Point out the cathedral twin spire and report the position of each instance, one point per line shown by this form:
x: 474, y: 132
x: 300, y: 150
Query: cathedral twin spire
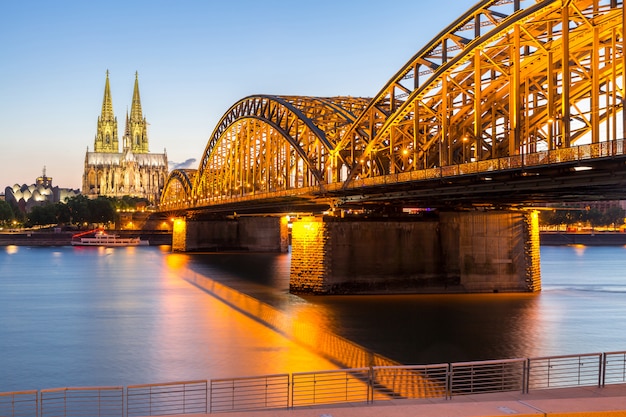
x: 135, y: 137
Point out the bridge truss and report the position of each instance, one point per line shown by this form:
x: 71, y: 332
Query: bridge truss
x: 507, y: 78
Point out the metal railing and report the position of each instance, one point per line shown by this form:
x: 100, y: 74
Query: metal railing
x: 565, y: 371
x: 580, y: 153
x: 400, y: 382
x: 247, y: 394
x: 487, y: 376
x: 170, y: 398
x: 328, y: 387
x: 614, y: 368
x: 19, y: 403
x: 360, y: 385
x: 86, y: 401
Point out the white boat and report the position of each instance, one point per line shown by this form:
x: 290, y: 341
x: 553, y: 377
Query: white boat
x: 102, y: 239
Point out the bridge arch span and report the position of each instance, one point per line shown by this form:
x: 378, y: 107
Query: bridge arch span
x: 177, y: 192
x: 507, y: 78
x: 271, y: 144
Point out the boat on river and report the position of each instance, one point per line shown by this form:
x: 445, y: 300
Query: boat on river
x: 100, y: 238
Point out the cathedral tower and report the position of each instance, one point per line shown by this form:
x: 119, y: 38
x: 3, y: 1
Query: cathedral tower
x: 136, y: 131
x: 106, y: 135
x: 134, y: 171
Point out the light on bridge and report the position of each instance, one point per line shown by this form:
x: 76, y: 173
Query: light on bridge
x: 179, y: 226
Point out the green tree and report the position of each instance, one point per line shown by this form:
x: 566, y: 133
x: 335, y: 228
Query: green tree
x: 79, y: 209
x: 594, y: 217
x: 101, y: 210
x: 129, y: 203
x: 42, y: 215
x: 614, y: 217
x: 63, y: 213
x: 6, y: 213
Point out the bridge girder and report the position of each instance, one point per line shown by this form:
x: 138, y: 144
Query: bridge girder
x: 272, y: 144
x: 527, y: 79
x: 177, y: 191
x: 509, y: 78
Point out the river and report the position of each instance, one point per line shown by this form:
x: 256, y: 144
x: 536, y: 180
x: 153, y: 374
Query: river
x: 119, y: 316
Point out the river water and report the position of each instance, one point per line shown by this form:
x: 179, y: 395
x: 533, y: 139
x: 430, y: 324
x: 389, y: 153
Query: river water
x: 74, y: 316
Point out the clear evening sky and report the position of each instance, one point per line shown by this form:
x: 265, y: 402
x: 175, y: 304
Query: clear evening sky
x: 195, y: 59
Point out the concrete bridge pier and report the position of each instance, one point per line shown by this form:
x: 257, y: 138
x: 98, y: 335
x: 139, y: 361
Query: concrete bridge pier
x: 465, y: 251
x: 241, y: 233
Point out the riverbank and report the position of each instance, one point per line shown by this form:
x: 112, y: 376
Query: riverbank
x: 587, y: 238
x: 156, y: 238
x: 60, y: 238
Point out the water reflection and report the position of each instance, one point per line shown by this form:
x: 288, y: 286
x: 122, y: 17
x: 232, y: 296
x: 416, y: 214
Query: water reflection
x: 422, y: 329
x: 409, y: 329
x: 579, y: 250
x: 89, y: 316
x: 122, y: 317
x: 294, y: 324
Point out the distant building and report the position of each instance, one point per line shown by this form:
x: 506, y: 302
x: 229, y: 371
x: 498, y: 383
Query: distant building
x: 133, y: 172
x: 25, y: 197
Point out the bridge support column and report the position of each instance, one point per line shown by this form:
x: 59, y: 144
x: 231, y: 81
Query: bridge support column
x: 475, y: 251
x: 254, y: 233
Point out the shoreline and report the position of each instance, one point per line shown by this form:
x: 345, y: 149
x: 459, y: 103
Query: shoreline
x: 156, y: 238
x: 584, y: 238
x: 35, y: 238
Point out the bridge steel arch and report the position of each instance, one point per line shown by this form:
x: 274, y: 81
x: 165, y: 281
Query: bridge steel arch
x: 178, y: 189
x: 506, y: 78
x: 271, y: 144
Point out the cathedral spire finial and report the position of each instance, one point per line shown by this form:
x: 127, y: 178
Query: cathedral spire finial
x: 107, y: 102
x: 106, y: 135
x: 136, y: 135
x: 135, y: 108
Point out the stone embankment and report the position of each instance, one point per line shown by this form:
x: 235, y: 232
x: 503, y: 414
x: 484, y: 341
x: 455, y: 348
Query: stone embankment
x: 64, y: 238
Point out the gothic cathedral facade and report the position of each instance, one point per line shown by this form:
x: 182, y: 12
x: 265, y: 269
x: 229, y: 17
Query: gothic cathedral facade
x: 133, y: 172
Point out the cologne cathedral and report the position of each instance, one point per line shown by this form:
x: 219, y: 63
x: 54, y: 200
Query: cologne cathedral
x: 133, y: 172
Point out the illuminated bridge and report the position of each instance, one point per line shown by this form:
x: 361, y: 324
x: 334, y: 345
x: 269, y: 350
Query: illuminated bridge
x: 513, y: 104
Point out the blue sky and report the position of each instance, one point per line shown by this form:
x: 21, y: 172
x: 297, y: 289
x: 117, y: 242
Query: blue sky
x: 195, y: 59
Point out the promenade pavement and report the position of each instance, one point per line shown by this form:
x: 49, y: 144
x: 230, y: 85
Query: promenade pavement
x: 609, y: 401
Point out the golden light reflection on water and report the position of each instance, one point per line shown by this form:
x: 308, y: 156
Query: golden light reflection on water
x: 237, y: 339
x: 176, y: 261
x: 253, y: 337
x: 579, y: 249
x: 246, y: 337
x: 12, y: 249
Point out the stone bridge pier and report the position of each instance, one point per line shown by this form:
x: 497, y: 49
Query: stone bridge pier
x: 464, y: 251
x: 244, y: 233
x: 468, y: 251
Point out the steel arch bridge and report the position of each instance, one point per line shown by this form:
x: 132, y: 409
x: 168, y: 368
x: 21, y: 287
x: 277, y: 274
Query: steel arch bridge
x: 509, y: 84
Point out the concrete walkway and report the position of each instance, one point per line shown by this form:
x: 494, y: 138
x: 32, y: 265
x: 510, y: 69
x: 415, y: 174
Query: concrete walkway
x: 579, y: 402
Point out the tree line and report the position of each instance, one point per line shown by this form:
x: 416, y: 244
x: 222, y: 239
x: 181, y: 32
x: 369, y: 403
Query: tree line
x: 102, y: 210
x: 562, y: 215
x: 74, y: 211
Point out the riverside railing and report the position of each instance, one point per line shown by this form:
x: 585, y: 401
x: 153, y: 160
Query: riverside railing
x: 360, y: 385
x: 580, y: 154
